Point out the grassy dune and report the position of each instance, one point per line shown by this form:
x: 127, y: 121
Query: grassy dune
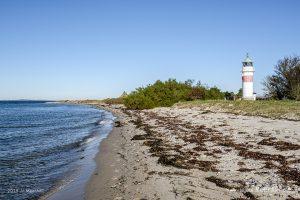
x: 272, y: 109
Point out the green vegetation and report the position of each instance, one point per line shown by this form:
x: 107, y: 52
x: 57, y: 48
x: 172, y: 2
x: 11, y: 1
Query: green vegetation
x: 285, y: 83
x: 118, y: 100
x: 164, y: 94
x: 268, y: 108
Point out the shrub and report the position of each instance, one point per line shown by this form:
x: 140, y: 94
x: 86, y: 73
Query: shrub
x: 229, y: 95
x: 239, y: 94
x: 214, y: 93
x: 118, y: 100
x: 159, y: 94
x: 197, y: 93
x: 164, y: 94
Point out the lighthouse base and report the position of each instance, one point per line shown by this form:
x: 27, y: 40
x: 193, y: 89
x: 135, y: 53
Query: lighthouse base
x: 252, y: 98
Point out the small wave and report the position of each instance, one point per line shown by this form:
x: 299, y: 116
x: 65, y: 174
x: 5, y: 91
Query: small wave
x: 47, y: 152
x: 22, y: 126
x: 105, y: 122
x: 52, y: 102
x: 54, y: 130
x: 88, y: 140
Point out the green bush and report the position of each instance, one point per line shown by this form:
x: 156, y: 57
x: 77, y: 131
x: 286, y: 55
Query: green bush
x: 197, y: 93
x: 165, y: 94
x: 214, y: 93
x: 118, y: 100
x: 159, y: 94
x: 229, y: 95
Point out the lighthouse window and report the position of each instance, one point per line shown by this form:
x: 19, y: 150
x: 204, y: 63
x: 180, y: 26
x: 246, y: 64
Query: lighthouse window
x: 245, y: 64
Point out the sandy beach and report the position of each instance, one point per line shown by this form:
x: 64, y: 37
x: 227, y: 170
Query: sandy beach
x: 188, y: 153
x: 149, y: 100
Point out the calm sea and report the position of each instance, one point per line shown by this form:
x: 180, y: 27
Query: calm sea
x: 46, y: 145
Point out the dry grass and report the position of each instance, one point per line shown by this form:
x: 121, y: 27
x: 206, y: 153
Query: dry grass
x: 272, y: 109
x: 109, y: 101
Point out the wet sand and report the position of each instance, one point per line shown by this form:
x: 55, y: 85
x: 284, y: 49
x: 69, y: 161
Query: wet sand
x: 109, y: 168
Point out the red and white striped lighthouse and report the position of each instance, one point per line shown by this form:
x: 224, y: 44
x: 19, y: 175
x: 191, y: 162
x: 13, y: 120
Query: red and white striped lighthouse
x: 247, y: 78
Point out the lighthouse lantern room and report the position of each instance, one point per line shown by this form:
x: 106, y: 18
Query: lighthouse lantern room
x: 247, y: 78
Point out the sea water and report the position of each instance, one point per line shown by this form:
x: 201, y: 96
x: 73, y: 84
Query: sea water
x: 45, y: 146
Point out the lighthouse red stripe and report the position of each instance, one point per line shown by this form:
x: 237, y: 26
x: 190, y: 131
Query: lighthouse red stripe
x: 247, y: 78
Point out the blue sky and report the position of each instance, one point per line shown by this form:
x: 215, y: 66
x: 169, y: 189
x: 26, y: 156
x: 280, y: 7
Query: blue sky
x: 55, y: 49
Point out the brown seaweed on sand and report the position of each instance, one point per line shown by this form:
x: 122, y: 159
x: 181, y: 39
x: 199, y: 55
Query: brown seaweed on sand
x: 203, y: 165
x: 290, y: 174
x: 156, y: 146
x: 245, y: 169
x: 262, y: 156
x: 118, y: 124
x: 286, y: 172
x: 140, y: 137
x: 225, y: 184
x: 249, y: 195
x: 173, y: 160
x: 279, y: 145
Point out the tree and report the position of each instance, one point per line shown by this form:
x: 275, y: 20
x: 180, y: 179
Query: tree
x: 124, y: 94
x: 239, y: 94
x: 199, y: 84
x: 189, y: 82
x: 229, y: 95
x: 285, y: 82
x: 197, y: 93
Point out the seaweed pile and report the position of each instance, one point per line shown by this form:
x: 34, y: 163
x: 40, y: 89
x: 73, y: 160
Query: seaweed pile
x: 185, y: 145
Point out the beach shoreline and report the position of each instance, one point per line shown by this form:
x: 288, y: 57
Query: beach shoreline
x: 105, y: 162
x: 72, y: 186
x: 121, y: 164
x: 155, y: 154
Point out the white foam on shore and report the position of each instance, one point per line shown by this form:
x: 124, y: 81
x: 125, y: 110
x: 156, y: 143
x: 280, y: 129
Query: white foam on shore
x: 105, y: 122
x: 89, y: 140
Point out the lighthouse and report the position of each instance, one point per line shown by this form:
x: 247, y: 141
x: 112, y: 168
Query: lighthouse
x: 247, y: 78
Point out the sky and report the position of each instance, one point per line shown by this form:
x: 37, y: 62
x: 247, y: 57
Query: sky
x: 71, y: 49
